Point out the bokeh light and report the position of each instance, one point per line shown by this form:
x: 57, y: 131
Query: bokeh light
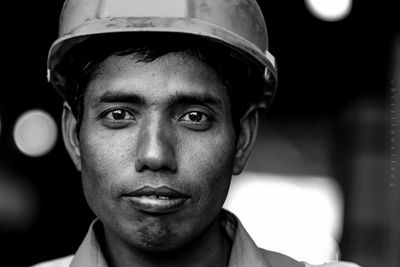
x: 330, y: 10
x: 35, y: 133
x: 298, y: 216
x: 18, y: 202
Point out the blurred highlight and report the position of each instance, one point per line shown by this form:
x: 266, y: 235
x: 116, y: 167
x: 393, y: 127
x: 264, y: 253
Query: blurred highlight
x: 35, y: 133
x: 301, y: 218
x: 18, y: 202
x: 330, y: 10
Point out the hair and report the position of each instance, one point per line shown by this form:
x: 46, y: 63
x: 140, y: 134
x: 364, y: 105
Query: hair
x: 244, y: 83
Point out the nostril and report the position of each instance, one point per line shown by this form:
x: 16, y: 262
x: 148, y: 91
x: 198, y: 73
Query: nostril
x: 155, y: 164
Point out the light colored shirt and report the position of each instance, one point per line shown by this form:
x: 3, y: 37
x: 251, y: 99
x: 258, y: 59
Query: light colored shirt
x: 244, y: 251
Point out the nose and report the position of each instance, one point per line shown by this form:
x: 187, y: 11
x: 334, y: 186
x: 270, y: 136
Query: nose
x: 155, y: 147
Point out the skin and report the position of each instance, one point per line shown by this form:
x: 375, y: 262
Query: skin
x: 162, y: 123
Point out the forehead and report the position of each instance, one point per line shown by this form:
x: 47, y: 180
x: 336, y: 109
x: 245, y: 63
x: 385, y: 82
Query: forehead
x: 170, y: 74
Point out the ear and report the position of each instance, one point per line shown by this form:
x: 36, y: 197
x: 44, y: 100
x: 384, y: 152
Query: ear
x: 247, y: 136
x: 69, y: 131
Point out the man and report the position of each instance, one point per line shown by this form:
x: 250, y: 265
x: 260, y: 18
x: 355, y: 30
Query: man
x: 163, y: 100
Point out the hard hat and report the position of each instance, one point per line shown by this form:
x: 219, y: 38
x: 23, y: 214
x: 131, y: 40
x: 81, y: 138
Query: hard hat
x: 237, y: 24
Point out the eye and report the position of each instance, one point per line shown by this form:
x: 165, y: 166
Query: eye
x: 195, y: 116
x: 119, y: 115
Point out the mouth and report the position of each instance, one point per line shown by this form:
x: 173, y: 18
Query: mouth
x: 158, y: 200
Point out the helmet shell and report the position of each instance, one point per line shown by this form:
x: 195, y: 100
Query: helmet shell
x: 237, y: 24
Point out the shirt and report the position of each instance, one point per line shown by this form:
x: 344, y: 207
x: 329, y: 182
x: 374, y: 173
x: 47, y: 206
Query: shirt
x: 244, y: 251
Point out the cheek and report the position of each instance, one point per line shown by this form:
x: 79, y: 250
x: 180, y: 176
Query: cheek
x: 209, y: 162
x: 104, y: 158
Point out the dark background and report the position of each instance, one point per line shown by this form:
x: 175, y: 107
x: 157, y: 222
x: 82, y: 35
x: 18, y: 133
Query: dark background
x: 334, y: 81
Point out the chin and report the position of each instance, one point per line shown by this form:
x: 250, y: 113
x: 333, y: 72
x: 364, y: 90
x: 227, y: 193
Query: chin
x: 159, y: 238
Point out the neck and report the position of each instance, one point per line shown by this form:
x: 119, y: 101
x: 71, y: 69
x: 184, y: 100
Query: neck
x: 211, y: 248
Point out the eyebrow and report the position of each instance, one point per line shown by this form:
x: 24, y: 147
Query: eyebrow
x: 194, y: 99
x: 119, y: 97
x: 177, y: 99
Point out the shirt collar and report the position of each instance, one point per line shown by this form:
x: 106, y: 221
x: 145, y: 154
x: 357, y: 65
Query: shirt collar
x: 89, y: 253
x: 244, y: 251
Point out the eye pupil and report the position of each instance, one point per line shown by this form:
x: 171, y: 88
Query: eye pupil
x: 195, y: 116
x: 118, y: 114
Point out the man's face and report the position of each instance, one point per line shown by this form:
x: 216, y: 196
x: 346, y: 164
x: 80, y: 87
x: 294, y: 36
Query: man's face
x: 157, y: 149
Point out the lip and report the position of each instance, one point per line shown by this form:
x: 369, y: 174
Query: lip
x: 157, y: 200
